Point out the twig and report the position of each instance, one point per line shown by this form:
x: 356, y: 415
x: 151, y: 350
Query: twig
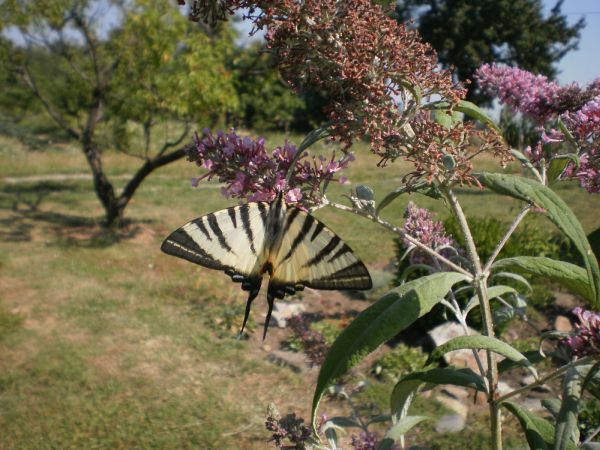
x: 508, y: 234
x: 402, y: 233
x: 543, y: 380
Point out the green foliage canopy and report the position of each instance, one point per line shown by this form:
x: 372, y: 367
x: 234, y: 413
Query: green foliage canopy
x: 467, y: 34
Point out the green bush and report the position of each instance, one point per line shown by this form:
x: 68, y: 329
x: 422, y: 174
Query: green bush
x: 400, y: 361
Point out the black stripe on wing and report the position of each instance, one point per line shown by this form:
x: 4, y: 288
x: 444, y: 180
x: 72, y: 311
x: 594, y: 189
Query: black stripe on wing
x: 355, y: 276
x: 180, y: 244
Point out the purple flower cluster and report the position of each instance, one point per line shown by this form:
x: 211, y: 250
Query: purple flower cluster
x: 542, y: 100
x: 366, y: 441
x: 419, y: 224
x: 289, y: 428
x: 248, y: 171
x: 533, y: 95
x: 313, y: 343
x: 585, y: 340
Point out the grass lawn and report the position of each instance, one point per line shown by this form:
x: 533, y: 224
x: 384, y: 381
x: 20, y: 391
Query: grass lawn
x: 108, y: 343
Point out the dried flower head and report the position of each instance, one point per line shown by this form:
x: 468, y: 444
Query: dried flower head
x: 365, y: 441
x: 287, y: 429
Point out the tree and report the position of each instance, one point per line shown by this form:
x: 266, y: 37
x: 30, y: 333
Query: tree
x: 153, y: 66
x: 466, y: 34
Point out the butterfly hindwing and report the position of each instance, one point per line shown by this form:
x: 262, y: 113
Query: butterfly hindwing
x: 314, y: 256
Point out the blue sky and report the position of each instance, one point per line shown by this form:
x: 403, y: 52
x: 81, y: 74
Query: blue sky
x: 582, y: 65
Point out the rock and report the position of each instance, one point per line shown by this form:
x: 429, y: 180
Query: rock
x: 460, y: 358
x: 503, y: 388
x: 293, y: 360
x: 565, y: 300
x: 562, y: 323
x: 266, y: 348
x: 450, y: 423
x: 284, y: 310
x: 460, y: 407
x: 532, y: 404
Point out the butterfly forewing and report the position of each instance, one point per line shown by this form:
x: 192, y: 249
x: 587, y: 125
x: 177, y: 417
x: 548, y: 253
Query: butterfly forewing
x: 314, y: 256
x: 230, y: 239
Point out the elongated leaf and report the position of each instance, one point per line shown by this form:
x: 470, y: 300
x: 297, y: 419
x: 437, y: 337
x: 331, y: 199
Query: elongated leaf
x: 446, y: 118
x: 483, y: 342
x: 448, y: 375
x: 552, y: 405
x: 398, y: 430
x: 538, y: 431
x: 569, y: 275
x: 558, y: 165
x: 558, y: 212
x: 515, y: 277
x: 473, y: 111
x: 533, y: 356
x: 402, y: 397
x: 566, y: 423
x: 493, y: 292
x: 380, y: 322
x: 343, y: 422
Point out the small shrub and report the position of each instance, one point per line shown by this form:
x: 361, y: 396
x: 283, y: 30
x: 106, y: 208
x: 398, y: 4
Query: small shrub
x: 400, y: 361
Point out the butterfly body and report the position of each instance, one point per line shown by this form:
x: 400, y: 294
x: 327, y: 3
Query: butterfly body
x: 259, y: 239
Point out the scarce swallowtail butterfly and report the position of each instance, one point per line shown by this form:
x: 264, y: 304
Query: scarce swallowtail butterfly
x: 256, y: 239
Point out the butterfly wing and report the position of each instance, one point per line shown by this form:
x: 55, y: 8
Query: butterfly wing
x: 229, y: 240
x: 312, y: 255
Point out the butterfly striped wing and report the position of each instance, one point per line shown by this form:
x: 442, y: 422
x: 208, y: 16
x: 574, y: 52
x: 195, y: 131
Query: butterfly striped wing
x: 314, y: 256
x: 229, y: 240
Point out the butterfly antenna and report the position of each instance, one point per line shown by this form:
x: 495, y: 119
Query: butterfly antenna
x: 271, y: 301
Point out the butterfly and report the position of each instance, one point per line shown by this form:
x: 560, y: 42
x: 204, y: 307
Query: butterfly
x: 257, y: 239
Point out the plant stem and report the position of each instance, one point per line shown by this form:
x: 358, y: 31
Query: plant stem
x: 480, y: 282
x: 543, y: 380
x: 401, y: 232
x: 508, y: 234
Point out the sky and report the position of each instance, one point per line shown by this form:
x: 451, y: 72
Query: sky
x: 581, y: 65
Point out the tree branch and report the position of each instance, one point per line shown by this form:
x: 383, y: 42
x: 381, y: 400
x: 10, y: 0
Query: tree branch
x: 56, y: 116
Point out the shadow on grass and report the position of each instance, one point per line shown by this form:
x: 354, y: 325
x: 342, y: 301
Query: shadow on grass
x: 28, y: 222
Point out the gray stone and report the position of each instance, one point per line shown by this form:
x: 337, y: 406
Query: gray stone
x: 460, y: 407
x: 531, y: 404
x: 295, y: 361
x: 285, y: 310
x: 565, y: 300
x: 503, y: 388
x: 450, y: 423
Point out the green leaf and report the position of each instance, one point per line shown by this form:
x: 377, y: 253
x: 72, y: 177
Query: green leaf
x: 538, y: 431
x: 566, y: 422
x: 380, y: 322
x: 399, y: 429
x: 402, y: 396
x: 446, y: 118
x: 343, y: 422
x: 558, y: 212
x: 558, y: 164
x: 533, y: 356
x: 473, y: 111
x: 569, y: 275
x: 514, y: 277
x: 448, y: 375
x: 552, y: 405
x: 421, y: 188
x: 493, y: 292
x: 480, y: 342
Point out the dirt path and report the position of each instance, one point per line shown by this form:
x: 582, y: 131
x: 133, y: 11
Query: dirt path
x: 79, y: 177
